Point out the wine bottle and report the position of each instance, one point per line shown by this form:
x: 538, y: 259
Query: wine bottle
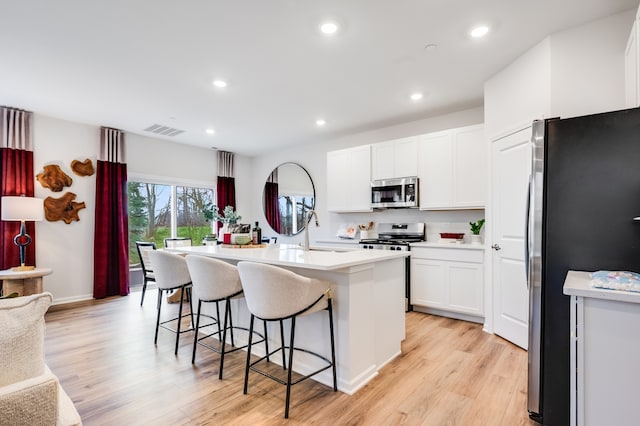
x: 256, y: 234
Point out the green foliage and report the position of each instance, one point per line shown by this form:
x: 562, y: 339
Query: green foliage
x: 229, y: 215
x: 476, y: 226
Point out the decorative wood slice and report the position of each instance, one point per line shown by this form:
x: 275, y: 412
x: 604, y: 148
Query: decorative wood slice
x: 54, y: 178
x: 82, y: 168
x: 63, y: 208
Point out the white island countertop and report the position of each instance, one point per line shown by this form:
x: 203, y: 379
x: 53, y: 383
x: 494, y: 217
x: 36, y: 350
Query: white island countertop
x: 319, y: 257
x: 578, y: 283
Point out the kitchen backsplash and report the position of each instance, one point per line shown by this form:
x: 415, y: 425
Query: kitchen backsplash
x: 436, y: 221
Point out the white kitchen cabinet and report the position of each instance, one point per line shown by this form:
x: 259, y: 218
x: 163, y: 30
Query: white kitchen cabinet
x: 448, y: 279
x: 605, y: 348
x: 453, y: 169
x: 395, y: 159
x: 349, y: 179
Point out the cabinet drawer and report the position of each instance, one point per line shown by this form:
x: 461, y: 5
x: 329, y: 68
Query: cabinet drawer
x: 454, y: 254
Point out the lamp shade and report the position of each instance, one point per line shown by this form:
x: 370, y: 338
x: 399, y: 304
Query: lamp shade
x: 22, y: 208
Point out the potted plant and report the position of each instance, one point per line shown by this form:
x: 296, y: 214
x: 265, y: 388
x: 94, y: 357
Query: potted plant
x: 228, y: 217
x: 476, y: 227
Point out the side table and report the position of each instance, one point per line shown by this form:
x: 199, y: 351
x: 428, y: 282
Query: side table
x: 23, y: 282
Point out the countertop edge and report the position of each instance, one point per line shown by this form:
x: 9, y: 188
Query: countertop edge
x: 243, y: 255
x: 578, y: 283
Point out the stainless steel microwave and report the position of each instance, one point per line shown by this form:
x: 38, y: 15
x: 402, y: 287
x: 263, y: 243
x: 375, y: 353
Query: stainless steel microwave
x: 394, y: 193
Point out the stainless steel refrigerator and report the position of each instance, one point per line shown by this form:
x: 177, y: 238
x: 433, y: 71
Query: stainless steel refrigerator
x: 584, y: 193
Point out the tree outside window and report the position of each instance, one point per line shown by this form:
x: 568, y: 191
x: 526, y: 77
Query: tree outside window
x: 150, y: 214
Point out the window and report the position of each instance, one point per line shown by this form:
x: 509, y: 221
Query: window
x: 158, y: 211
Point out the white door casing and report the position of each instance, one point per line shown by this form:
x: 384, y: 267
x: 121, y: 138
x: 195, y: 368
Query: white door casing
x: 511, y: 167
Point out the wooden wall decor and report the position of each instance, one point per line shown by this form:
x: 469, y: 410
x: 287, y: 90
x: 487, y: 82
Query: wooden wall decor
x: 54, y: 178
x: 63, y: 208
x: 82, y: 168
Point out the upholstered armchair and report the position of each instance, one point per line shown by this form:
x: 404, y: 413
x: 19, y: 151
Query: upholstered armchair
x: 30, y: 393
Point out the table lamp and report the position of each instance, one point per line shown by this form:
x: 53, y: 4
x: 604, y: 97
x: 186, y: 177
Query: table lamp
x: 21, y: 208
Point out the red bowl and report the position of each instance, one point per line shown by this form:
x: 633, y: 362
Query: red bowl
x: 452, y: 235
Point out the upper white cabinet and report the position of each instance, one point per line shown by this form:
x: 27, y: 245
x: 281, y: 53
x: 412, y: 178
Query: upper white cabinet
x: 394, y: 159
x: 453, y: 169
x: 632, y: 69
x: 349, y: 179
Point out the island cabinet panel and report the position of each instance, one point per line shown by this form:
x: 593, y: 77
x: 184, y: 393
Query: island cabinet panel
x: 453, y: 169
x: 349, y: 179
x: 605, y: 348
x: 367, y: 288
x: 395, y: 159
x: 448, y: 279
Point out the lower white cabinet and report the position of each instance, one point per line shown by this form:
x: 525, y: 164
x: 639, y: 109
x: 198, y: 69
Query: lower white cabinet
x: 448, y: 279
x: 605, y: 349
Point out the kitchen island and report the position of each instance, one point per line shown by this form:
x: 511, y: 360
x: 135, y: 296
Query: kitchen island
x: 368, y: 292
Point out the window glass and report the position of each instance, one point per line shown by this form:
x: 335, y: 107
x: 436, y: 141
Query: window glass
x: 190, y: 206
x: 150, y: 214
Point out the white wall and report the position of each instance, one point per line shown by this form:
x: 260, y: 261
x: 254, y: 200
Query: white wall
x: 587, y: 73
x: 68, y: 249
x: 574, y: 72
x: 313, y: 159
x: 519, y: 93
x: 161, y: 158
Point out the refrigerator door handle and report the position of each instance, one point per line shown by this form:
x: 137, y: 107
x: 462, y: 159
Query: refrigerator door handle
x: 527, y: 230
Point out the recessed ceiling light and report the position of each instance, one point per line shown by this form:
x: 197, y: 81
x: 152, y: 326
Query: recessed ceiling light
x: 480, y: 31
x: 210, y: 131
x: 416, y: 96
x: 432, y: 47
x: 329, y: 28
x: 220, y: 83
x: 320, y: 122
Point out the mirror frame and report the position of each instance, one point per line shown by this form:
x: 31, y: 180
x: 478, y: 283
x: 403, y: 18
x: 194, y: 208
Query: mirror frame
x: 313, y: 188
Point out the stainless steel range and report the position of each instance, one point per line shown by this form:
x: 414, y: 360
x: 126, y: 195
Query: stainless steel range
x: 395, y: 236
x: 398, y: 236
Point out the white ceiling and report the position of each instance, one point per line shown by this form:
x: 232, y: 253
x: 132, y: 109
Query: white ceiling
x: 133, y: 63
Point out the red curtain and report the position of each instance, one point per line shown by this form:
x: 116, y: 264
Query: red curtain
x: 16, y: 174
x: 111, y: 243
x: 271, y: 209
x: 226, y: 196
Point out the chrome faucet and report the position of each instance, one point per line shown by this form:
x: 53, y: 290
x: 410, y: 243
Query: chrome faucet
x: 307, y: 220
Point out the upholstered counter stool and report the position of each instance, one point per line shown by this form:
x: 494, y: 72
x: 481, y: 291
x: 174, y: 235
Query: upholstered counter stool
x: 277, y: 294
x: 171, y: 274
x: 215, y: 281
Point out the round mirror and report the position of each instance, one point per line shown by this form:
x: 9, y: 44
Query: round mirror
x: 288, y: 195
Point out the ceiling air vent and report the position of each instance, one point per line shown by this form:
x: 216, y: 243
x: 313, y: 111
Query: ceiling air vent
x: 159, y: 129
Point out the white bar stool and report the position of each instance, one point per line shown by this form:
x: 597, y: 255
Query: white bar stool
x: 216, y: 281
x: 276, y: 294
x: 171, y: 273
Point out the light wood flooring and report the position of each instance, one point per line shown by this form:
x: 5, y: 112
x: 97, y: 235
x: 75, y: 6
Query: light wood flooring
x: 450, y: 373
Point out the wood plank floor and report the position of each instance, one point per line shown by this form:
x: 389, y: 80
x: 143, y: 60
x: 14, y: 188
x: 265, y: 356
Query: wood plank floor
x: 450, y: 373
